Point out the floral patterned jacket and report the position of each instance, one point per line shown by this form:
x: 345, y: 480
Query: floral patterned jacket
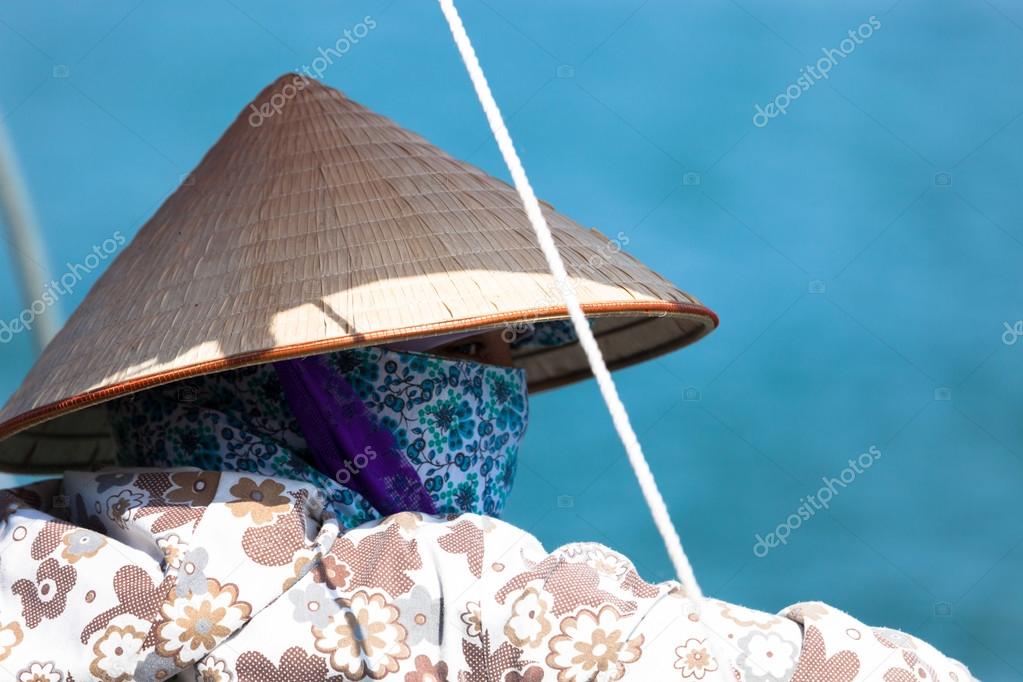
x: 216, y: 576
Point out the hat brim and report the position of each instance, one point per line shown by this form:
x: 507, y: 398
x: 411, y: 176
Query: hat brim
x: 74, y: 433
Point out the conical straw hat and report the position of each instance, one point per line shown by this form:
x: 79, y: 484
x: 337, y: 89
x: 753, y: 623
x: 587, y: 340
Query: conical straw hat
x: 315, y: 225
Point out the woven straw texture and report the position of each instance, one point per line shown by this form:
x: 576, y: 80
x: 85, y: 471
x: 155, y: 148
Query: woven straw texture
x: 323, y: 227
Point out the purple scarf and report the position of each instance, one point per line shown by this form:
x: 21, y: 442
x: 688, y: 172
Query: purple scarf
x: 345, y: 440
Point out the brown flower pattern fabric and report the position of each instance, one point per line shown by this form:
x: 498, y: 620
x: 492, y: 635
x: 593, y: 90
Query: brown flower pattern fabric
x: 46, y: 596
x: 237, y: 577
x: 261, y: 501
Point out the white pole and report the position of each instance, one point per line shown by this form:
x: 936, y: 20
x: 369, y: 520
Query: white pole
x: 22, y: 234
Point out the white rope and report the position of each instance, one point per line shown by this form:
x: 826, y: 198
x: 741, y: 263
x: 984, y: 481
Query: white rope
x: 619, y: 416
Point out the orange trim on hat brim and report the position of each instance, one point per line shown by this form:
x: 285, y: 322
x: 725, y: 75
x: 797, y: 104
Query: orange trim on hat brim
x: 651, y: 309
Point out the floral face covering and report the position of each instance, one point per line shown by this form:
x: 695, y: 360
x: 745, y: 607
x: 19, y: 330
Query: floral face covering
x: 457, y: 423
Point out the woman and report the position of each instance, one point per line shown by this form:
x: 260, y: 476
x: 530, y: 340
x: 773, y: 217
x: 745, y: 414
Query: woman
x: 324, y: 347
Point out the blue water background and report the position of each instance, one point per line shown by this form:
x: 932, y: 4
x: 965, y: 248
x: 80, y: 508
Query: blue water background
x: 864, y: 251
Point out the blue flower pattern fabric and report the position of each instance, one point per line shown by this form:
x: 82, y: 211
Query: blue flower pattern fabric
x: 458, y: 422
x: 533, y: 336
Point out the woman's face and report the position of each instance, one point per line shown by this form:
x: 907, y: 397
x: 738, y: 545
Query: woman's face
x: 488, y: 348
x: 457, y: 412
